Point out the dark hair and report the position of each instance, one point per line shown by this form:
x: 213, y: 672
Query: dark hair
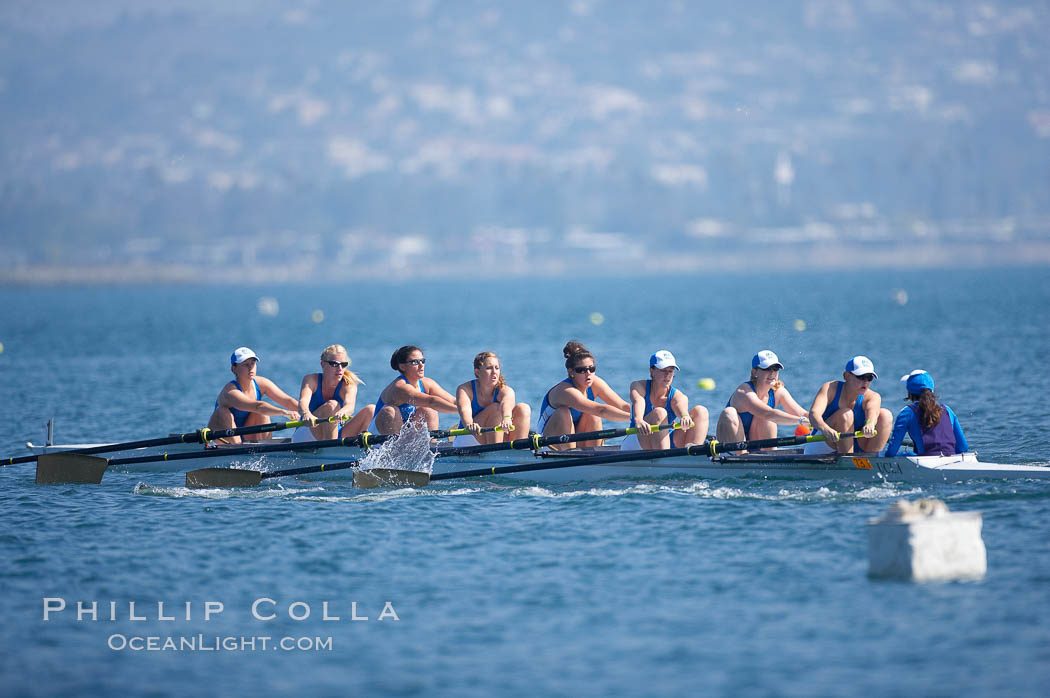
x: 401, y: 356
x: 575, y: 352
x: 929, y: 410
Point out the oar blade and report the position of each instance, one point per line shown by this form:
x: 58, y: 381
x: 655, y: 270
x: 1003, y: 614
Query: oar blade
x: 65, y: 468
x: 389, y: 477
x: 206, y: 478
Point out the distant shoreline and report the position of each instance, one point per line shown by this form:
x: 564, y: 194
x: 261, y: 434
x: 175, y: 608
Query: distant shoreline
x: 926, y: 256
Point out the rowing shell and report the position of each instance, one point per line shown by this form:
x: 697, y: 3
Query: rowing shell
x: 860, y: 468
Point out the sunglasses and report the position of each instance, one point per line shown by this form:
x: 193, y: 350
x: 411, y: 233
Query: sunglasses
x: 585, y: 369
x: 416, y: 362
x: 867, y: 377
x: 339, y: 364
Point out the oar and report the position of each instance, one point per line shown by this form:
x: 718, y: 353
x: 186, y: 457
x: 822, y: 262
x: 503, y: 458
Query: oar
x: 234, y: 477
x: 201, y: 436
x: 364, y: 440
x: 710, y: 448
x: 535, y: 442
x: 69, y: 467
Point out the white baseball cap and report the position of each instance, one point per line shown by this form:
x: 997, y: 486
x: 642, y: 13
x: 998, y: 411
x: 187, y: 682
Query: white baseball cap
x: 765, y: 359
x: 861, y: 365
x: 662, y: 359
x: 241, y: 354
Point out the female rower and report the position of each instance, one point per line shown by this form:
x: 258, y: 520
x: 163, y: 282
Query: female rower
x: 570, y: 407
x: 332, y: 393
x: 240, y: 402
x: 659, y: 403
x: 923, y: 420
x: 487, y: 401
x: 851, y: 405
x: 759, y: 404
x: 410, y: 395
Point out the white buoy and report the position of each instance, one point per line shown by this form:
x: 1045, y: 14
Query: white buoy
x: 922, y: 541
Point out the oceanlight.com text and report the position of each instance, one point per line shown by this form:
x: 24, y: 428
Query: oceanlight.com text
x: 217, y: 643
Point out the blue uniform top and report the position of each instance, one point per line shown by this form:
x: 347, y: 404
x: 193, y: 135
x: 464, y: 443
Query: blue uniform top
x: 318, y: 399
x: 908, y: 422
x: 746, y: 417
x: 406, y: 409
x: 241, y: 416
x: 858, y: 407
x: 649, y: 404
x: 475, y: 406
x: 546, y: 409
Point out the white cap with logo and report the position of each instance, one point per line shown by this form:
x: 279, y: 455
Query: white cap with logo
x: 241, y: 354
x: 861, y: 365
x: 766, y: 359
x: 662, y: 359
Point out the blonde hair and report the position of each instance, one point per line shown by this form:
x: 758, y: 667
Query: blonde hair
x: 479, y: 361
x: 349, y: 377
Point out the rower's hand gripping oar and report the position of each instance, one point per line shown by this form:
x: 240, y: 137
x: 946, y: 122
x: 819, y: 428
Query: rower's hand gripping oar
x: 201, y: 436
x: 240, y: 477
x: 69, y: 467
x: 711, y: 448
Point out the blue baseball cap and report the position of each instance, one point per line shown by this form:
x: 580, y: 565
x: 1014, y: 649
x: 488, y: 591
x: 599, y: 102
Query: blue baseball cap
x: 241, y: 354
x: 919, y: 381
x: 861, y: 365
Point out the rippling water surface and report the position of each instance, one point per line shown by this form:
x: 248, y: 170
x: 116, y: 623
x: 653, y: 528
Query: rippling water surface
x: 624, y: 587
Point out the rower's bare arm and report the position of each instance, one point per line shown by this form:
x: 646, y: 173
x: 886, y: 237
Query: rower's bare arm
x: 306, y: 392
x: 436, y: 397
x: 466, y: 416
x: 872, y: 406
x: 269, y: 389
x: 572, y: 398
x: 637, y: 397
x: 789, y: 405
x: 680, y: 409
x: 507, y: 400
x: 349, y: 401
x: 610, y: 396
x: 762, y: 409
x: 238, y: 399
x: 816, y: 411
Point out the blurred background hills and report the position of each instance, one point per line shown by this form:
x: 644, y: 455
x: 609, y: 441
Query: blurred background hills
x: 322, y: 141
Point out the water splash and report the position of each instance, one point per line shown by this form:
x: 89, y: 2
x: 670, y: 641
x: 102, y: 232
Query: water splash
x: 410, y: 449
x: 180, y: 492
x: 385, y: 495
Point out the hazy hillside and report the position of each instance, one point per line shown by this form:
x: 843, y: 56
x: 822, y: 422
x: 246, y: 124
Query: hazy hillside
x: 189, y: 139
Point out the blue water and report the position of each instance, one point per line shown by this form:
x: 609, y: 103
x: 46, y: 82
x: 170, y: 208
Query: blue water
x: 678, y: 585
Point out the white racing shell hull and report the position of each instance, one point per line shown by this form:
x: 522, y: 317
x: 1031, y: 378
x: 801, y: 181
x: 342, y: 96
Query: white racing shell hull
x: 860, y: 468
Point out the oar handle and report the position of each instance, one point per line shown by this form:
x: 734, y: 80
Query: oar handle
x: 205, y: 435
x: 715, y: 447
